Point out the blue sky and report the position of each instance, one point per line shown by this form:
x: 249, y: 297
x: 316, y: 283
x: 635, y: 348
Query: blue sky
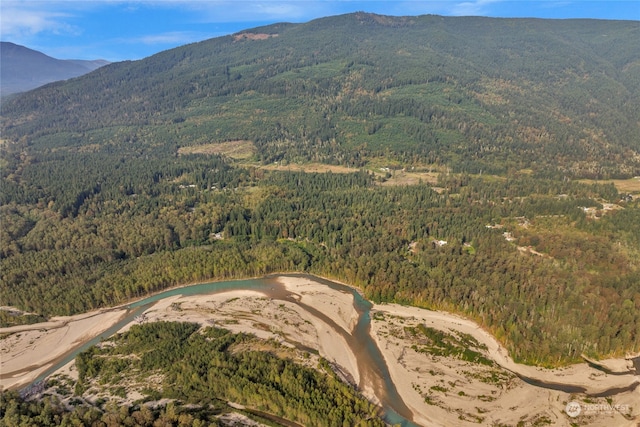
x: 118, y: 30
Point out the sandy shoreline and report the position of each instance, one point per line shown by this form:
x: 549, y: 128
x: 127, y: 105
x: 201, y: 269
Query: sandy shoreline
x: 31, y: 349
x: 459, y: 394
x: 438, y: 390
x: 580, y: 374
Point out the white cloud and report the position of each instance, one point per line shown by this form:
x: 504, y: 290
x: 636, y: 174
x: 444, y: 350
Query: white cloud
x: 20, y: 19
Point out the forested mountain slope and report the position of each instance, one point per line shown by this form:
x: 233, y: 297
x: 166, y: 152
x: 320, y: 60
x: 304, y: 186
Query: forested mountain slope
x: 476, y: 94
x: 113, y: 185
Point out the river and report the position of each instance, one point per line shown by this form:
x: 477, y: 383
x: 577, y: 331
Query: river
x: 371, y: 365
x: 373, y: 370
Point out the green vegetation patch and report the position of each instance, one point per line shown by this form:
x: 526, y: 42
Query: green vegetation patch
x: 201, y: 366
x: 438, y: 343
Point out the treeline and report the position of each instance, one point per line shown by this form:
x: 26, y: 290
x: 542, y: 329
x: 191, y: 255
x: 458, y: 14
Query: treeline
x: 68, y: 282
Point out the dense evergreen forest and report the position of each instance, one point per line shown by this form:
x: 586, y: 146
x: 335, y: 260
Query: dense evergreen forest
x: 580, y: 284
x: 100, y: 202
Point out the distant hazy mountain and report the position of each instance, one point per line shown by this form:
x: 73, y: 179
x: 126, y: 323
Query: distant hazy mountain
x: 23, y: 69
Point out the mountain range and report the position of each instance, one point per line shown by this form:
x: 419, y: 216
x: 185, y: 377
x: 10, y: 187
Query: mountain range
x: 559, y: 98
x: 23, y: 69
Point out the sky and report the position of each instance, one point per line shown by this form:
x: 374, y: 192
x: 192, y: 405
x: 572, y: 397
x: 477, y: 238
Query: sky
x: 118, y: 30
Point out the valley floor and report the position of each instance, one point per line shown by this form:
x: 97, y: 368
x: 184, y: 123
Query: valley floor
x: 439, y: 389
